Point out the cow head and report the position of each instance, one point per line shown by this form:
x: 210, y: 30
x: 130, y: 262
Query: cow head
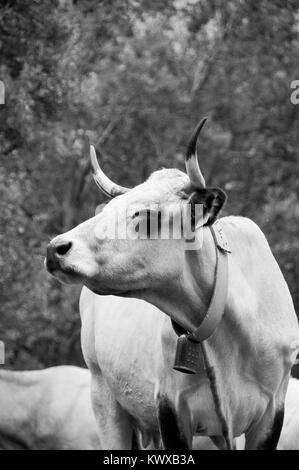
x: 143, y: 264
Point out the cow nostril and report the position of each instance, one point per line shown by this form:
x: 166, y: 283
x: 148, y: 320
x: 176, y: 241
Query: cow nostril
x: 62, y: 249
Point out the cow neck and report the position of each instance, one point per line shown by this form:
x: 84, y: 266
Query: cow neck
x: 212, y: 315
x: 191, y: 354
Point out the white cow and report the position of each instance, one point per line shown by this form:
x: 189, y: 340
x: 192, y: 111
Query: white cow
x: 244, y: 361
x: 47, y: 409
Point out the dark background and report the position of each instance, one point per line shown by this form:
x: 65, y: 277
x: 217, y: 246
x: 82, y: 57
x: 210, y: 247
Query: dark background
x: 134, y: 77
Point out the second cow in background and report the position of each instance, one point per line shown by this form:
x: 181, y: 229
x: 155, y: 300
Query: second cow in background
x: 47, y: 409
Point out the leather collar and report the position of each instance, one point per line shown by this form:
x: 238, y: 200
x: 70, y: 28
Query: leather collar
x: 186, y: 356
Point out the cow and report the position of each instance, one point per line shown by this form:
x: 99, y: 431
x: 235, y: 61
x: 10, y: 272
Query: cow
x: 47, y: 409
x: 226, y: 296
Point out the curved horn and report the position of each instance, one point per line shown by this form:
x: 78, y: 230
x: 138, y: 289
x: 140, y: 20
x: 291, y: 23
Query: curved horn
x: 191, y: 160
x: 103, y: 182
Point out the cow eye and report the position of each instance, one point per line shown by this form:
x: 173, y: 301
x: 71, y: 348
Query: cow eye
x: 148, y: 216
x: 145, y: 213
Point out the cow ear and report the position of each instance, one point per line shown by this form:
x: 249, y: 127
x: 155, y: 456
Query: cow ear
x: 212, y: 201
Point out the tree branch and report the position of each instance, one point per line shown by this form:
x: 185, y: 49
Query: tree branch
x: 202, y: 73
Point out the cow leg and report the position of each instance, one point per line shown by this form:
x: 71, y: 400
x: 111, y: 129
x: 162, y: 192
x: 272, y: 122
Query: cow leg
x: 173, y: 434
x: 265, y: 434
x: 135, y: 441
x: 115, y: 426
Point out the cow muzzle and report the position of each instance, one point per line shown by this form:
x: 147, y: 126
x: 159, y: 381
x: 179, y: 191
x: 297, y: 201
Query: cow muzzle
x: 57, y: 250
